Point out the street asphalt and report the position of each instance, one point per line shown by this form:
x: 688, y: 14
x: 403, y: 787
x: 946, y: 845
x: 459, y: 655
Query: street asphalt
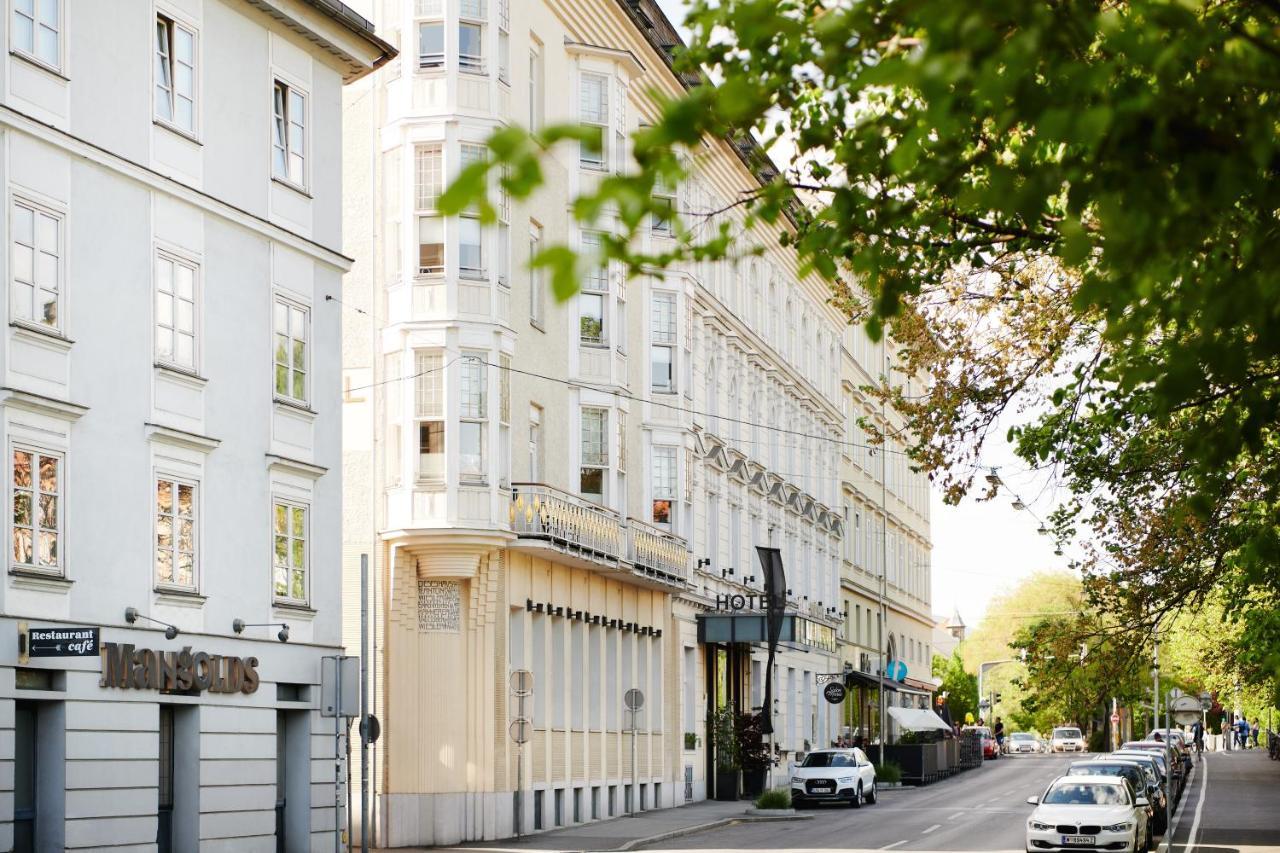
x: 1239, y: 811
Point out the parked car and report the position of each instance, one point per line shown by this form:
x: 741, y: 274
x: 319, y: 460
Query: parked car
x: 1179, y: 739
x: 1090, y: 812
x: 1158, y: 761
x: 1141, y: 778
x: 1022, y: 742
x: 1066, y: 739
x: 990, y: 749
x: 1169, y: 750
x: 834, y: 776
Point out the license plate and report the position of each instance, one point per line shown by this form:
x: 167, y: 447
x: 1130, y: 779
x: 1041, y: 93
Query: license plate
x: 821, y: 789
x: 1079, y: 839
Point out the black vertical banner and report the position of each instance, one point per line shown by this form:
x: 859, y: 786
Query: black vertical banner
x: 775, y: 594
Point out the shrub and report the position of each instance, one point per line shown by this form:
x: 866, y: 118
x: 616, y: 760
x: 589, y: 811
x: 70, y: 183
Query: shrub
x: 889, y: 772
x: 778, y: 798
x: 1098, y: 740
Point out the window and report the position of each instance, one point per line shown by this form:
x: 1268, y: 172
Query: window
x: 593, y: 112
x: 470, y: 247
x: 291, y: 323
x: 664, y: 484
x: 536, y: 287
x: 175, y: 312
x: 595, y: 454
x: 504, y: 41
x: 36, y: 30
x: 470, y: 43
x: 37, y: 509
x: 431, y: 44
x: 290, y: 563
x: 175, y: 533
x: 535, y: 87
x: 175, y: 74
x: 504, y: 420
x: 428, y: 180
x: 37, y: 264
x: 663, y: 335
x: 429, y: 413
x: 663, y: 219
x: 289, y: 134
x: 535, y: 443
x: 472, y: 416
x: 593, y: 299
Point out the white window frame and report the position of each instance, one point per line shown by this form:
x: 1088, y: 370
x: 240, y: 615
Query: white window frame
x: 475, y: 416
x: 597, y: 459
x: 587, y: 159
x: 595, y: 290
x: 38, y: 22
x: 171, y: 95
x: 660, y: 489
x: 291, y: 536
x: 472, y: 63
x: 431, y: 62
x: 283, y: 123
x: 537, y: 74
x: 537, y: 282
x: 664, y: 338
x: 59, y: 217
x: 428, y: 183
x: 504, y: 42
x: 291, y: 305
x: 535, y: 442
x: 59, y: 568
x: 175, y: 481
x: 429, y: 410
x: 174, y: 260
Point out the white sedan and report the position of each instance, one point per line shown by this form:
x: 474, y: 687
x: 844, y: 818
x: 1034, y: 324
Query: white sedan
x: 834, y: 776
x: 1089, y: 813
x: 1022, y: 742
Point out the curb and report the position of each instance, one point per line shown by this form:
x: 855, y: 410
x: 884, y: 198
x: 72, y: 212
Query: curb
x: 750, y: 816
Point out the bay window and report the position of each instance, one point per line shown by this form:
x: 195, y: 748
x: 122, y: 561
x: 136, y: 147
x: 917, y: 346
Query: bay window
x: 595, y: 454
x: 663, y: 342
x: 663, y: 486
x: 429, y: 414
x: 593, y: 113
x: 472, y: 417
x: 431, y: 44
x: 428, y: 184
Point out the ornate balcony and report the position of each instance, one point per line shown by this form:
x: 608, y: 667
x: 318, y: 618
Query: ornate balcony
x: 593, y: 537
x: 656, y: 553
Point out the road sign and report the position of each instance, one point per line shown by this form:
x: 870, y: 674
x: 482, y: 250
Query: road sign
x: 522, y: 682
x: 1206, y: 702
x: 834, y: 692
x: 520, y: 730
x: 1174, y: 693
x: 633, y: 699
x: 340, y: 686
x: 374, y: 727
x: 62, y: 642
x: 1185, y: 710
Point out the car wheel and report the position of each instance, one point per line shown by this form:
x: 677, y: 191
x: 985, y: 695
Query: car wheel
x: 857, y: 798
x: 873, y: 797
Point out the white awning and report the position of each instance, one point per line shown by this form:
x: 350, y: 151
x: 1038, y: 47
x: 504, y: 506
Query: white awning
x: 917, y: 719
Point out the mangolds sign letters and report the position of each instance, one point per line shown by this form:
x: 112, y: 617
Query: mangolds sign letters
x: 125, y: 667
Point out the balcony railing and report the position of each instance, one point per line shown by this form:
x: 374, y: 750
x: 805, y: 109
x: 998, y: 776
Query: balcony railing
x: 566, y: 521
x: 657, y: 553
x: 586, y: 530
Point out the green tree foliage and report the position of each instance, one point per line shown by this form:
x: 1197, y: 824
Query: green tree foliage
x: 1064, y: 208
x: 960, y: 686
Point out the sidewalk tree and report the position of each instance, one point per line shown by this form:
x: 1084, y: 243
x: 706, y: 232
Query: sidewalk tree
x: 1061, y: 209
x: 960, y: 686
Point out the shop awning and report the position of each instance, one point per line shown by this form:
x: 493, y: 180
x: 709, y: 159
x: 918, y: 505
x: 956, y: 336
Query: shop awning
x: 797, y: 632
x: 917, y: 719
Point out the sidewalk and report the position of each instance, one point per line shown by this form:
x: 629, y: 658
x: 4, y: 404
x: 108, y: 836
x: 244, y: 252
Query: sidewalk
x: 1233, y: 805
x: 622, y: 833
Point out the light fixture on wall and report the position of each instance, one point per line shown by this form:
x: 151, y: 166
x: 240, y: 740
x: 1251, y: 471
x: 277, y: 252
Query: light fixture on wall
x: 132, y: 615
x: 702, y: 561
x: 238, y: 625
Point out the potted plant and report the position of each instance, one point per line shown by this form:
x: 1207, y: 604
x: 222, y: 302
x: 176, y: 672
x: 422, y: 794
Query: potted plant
x: 722, y: 735
x: 753, y: 754
x: 690, y: 740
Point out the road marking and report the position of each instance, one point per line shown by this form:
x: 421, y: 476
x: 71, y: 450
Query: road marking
x: 931, y: 829
x: 956, y: 815
x: 1195, y: 824
x: 894, y: 844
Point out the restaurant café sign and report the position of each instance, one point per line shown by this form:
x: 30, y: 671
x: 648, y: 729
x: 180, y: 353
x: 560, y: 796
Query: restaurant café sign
x: 126, y: 667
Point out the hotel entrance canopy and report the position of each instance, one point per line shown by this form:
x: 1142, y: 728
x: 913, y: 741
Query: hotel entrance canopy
x: 797, y: 632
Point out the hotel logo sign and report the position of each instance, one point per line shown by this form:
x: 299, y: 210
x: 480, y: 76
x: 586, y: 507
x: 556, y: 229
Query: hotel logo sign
x: 126, y: 668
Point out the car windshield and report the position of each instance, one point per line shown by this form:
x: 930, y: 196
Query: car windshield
x: 1084, y: 794
x: 1021, y: 736
x: 827, y: 759
x: 1066, y: 733
x: 1133, y: 774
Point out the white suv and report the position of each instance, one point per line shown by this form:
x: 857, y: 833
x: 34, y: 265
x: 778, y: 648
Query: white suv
x: 1066, y: 739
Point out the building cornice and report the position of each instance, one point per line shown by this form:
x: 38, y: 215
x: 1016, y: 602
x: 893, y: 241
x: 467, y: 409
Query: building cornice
x: 13, y: 398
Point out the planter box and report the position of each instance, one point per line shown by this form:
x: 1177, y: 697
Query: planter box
x: 923, y: 763
x: 726, y: 785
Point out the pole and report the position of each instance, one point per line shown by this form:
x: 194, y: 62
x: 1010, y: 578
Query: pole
x: 631, y: 800
x: 364, y: 703
x: 337, y: 752
x: 884, y: 552
x: 1168, y: 778
x: 1155, y: 674
x: 519, y: 788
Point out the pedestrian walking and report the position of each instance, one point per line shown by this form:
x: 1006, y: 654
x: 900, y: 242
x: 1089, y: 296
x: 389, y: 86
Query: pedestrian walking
x: 998, y: 731
x: 1242, y: 733
x: 1253, y: 733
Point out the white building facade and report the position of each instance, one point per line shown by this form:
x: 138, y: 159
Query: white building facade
x: 571, y: 489
x: 170, y: 416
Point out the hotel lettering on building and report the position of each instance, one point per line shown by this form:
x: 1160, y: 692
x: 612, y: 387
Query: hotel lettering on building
x: 570, y: 488
x: 170, y: 412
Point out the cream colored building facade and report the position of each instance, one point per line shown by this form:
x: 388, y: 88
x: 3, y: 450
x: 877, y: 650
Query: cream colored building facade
x: 886, y: 577
x: 573, y: 489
